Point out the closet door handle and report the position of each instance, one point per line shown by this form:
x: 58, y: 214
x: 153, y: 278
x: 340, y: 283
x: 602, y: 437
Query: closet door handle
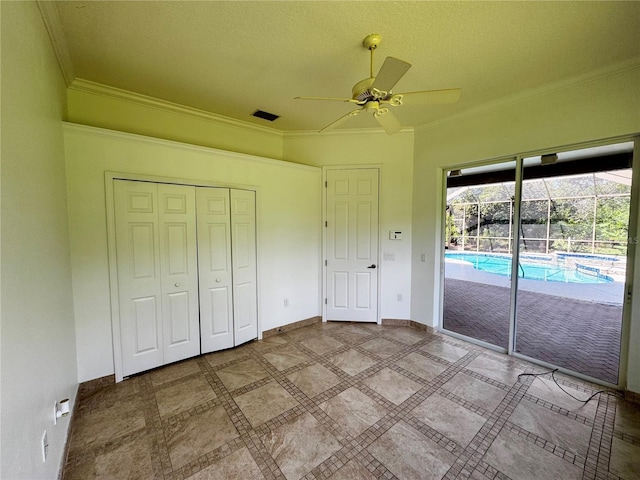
x: 372, y: 266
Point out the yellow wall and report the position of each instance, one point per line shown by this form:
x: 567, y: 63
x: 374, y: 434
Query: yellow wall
x: 106, y: 107
x: 38, y: 341
x: 394, y: 156
x: 593, y: 109
x: 288, y: 222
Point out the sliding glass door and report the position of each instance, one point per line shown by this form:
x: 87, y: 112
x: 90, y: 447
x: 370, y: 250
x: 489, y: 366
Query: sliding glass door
x: 478, y: 239
x: 573, y: 253
x: 535, y: 263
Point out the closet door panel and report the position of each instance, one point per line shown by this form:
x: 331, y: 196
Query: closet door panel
x: 139, y: 288
x: 243, y: 224
x: 144, y: 323
x: 214, y: 269
x: 179, y: 267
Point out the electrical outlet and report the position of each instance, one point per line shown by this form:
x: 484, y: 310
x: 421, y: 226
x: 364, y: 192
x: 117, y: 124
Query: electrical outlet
x: 286, y: 302
x: 45, y: 446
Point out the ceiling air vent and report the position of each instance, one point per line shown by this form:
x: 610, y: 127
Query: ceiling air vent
x: 265, y: 115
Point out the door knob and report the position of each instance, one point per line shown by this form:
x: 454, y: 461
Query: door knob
x: 218, y: 280
x: 177, y: 284
x: 373, y: 265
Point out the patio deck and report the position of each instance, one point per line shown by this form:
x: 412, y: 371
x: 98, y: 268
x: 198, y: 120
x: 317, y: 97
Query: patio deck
x: 580, y: 335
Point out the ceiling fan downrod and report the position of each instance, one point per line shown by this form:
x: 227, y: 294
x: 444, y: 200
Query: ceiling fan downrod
x: 371, y: 42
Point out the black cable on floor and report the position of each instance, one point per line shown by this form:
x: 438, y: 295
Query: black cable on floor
x: 552, y: 372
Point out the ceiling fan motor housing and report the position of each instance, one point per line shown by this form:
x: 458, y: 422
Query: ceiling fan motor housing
x: 361, y: 90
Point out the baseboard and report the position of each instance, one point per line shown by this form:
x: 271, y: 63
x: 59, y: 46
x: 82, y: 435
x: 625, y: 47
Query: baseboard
x: 291, y: 326
x: 632, y: 397
x: 67, y: 440
x: 395, y: 322
x: 422, y: 326
x: 87, y: 388
x: 407, y: 323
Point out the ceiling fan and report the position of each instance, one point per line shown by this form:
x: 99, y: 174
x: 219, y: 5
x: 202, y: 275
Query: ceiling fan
x: 374, y: 93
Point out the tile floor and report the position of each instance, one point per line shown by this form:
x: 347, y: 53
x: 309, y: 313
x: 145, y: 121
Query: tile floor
x: 351, y: 401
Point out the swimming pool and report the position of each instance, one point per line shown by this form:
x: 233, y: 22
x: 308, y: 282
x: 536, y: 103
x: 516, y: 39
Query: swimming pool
x: 501, y: 265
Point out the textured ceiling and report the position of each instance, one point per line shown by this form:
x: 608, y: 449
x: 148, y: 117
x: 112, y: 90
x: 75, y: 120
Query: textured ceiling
x: 233, y: 57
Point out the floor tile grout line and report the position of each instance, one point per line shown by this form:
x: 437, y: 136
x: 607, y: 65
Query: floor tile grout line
x: 625, y: 437
x: 561, y: 411
x: 556, y: 449
x: 603, y: 432
x: 478, y: 447
x: 152, y: 413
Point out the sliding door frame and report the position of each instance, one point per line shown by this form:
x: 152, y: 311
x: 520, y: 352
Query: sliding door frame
x: 443, y: 220
x: 631, y: 255
x: 515, y: 254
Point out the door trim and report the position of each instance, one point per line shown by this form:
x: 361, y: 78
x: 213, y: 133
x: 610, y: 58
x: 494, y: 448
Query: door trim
x: 323, y: 267
x: 109, y: 177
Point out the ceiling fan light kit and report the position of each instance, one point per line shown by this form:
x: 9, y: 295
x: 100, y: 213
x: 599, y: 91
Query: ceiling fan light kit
x: 373, y: 93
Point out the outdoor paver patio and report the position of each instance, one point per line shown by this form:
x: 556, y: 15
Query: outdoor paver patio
x: 575, y: 334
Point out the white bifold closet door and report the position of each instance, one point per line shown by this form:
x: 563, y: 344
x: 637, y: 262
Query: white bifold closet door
x: 186, y: 269
x: 227, y: 267
x: 157, y: 274
x: 243, y: 247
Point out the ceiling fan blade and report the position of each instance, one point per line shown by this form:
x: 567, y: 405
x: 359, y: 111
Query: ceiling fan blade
x: 327, y: 98
x: 388, y: 121
x: 450, y: 95
x: 337, y: 122
x: 390, y: 73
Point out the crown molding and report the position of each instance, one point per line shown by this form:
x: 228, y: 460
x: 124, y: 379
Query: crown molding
x: 87, y: 86
x: 49, y: 14
x: 136, y: 138
x: 350, y: 132
x: 612, y: 70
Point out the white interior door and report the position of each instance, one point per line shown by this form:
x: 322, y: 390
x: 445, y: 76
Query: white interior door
x: 243, y: 237
x: 139, y: 290
x: 178, y: 267
x: 157, y: 280
x: 214, y: 268
x: 352, y: 245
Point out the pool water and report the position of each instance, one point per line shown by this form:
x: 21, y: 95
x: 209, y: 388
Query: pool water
x: 501, y: 265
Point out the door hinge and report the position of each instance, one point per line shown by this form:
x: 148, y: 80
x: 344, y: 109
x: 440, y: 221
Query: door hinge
x: 326, y: 184
x: 325, y: 263
x: 326, y: 224
x: 325, y: 301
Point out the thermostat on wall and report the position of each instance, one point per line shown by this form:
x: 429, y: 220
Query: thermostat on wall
x: 395, y: 235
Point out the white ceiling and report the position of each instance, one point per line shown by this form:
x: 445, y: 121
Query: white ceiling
x: 233, y: 57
